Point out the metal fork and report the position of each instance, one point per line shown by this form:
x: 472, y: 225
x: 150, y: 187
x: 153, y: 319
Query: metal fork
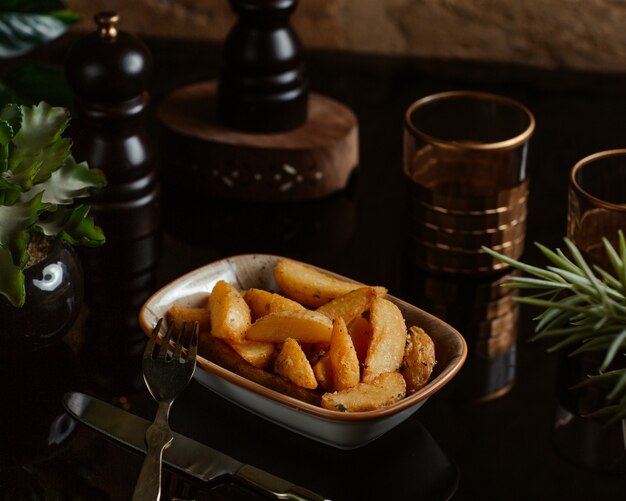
x: 165, y: 378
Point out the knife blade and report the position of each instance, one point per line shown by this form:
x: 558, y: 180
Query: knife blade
x: 185, y: 454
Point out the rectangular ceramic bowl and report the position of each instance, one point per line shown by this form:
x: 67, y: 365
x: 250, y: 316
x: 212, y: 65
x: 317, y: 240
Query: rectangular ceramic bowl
x: 343, y: 430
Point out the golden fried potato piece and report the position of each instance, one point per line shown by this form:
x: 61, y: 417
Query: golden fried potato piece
x: 343, y: 359
x: 220, y: 353
x: 323, y: 371
x: 386, y: 389
x: 303, y: 325
x: 308, y: 286
x: 352, y: 304
x: 263, y: 302
x: 314, y: 351
x: 255, y: 353
x: 230, y: 315
x: 386, y: 349
x: 180, y: 314
x: 291, y: 363
x: 419, y: 359
x: 360, y: 331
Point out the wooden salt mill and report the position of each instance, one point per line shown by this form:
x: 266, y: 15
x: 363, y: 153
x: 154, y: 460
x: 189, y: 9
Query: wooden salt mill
x: 258, y: 134
x: 109, y: 71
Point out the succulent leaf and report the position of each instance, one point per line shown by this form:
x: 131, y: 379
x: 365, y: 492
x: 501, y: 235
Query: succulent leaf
x: 37, y: 148
x: 11, y: 279
x: 72, y: 180
x: 10, y: 119
x: 4, y: 157
x: 41, y: 125
x: 618, y: 344
x: 6, y: 133
x: 9, y: 193
x: 12, y: 114
x: 73, y: 225
x: 15, y: 220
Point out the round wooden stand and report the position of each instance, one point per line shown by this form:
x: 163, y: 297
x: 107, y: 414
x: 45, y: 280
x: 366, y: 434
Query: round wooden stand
x: 305, y: 163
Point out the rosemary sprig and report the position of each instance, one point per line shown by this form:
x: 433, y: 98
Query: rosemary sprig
x: 584, y: 310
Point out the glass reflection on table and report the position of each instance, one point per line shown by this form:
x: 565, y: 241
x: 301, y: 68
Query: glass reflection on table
x: 238, y: 227
x: 486, y: 315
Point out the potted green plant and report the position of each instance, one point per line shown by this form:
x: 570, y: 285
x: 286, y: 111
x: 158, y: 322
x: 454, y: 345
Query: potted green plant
x: 40, y: 276
x: 584, y: 317
x: 584, y: 311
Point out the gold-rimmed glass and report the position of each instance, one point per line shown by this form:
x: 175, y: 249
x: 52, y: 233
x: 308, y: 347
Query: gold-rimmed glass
x: 597, y: 203
x: 596, y: 210
x: 465, y: 156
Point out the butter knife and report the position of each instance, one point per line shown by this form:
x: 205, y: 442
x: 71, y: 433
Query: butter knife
x: 185, y: 454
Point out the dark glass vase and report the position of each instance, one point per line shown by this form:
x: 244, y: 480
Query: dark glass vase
x: 54, y: 294
x: 587, y: 441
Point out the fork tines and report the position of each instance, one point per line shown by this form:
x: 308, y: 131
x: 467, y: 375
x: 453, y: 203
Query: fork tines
x: 178, y: 345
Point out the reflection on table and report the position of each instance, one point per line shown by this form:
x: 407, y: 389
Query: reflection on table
x: 486, y: 314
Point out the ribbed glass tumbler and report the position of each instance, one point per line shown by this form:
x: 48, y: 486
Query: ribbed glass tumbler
x: 465, y: 159
x: 597, y: 204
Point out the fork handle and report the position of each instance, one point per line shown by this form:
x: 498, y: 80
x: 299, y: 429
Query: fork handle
x: 158, y: 438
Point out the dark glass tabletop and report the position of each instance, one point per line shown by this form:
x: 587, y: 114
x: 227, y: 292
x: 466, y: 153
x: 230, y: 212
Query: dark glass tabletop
x: 490, y: 434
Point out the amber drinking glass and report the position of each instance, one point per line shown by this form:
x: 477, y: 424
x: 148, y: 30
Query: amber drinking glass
x: 465, y: 156
x: 597, y: 204
x: 596, y: 210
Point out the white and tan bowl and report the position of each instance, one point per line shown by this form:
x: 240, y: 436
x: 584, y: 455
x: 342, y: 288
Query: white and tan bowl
x: 343, y: 430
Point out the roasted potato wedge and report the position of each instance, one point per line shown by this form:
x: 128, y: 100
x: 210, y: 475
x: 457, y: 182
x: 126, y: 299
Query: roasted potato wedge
x: 291, y: 363
x: 220, y: 353
x: 255, y: 353
x: 343, y: 358
x: 352, y: 304
x: 262, y: 303
x: 323, y: 371
x: 386, y: 389
x: 314, y: 351
x: 230, y: 315
x: 360, y: 331
x: 180, y: 314
x: 419, y: 359
x: 303, y: 325
x: 308, y: 286
x: 386, y: 349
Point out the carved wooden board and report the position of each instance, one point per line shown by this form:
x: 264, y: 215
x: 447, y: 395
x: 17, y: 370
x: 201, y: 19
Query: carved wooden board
x: 308, y: 162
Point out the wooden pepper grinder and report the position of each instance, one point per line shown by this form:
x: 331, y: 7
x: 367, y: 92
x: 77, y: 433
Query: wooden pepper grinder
x: 263, y: 85
x: 257, y: 133
x: 109, y: 71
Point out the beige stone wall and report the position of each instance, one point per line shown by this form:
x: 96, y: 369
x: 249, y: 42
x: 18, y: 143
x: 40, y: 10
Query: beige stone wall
x: 575, y: 34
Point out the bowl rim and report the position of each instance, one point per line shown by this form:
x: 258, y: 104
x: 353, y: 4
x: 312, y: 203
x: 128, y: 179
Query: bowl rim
x: 453, y: 367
